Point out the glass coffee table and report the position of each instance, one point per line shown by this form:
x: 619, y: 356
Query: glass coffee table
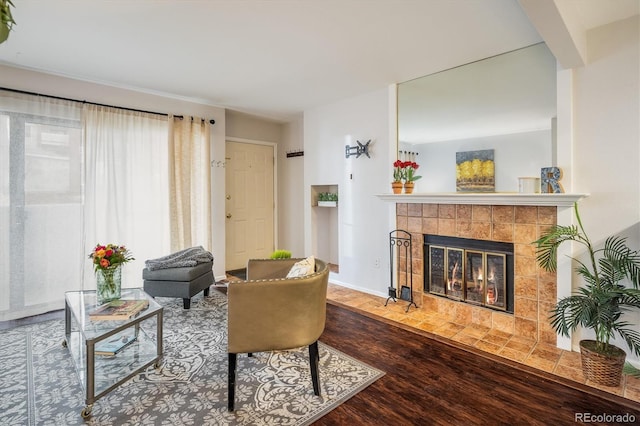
x: 100, y: 374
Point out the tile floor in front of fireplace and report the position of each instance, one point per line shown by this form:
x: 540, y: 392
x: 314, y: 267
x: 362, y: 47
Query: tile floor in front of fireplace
x: 543, y: 357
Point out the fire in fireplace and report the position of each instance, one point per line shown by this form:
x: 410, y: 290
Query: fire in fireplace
x: 472, y: 271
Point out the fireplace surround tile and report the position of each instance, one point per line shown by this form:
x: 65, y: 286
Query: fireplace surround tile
x: 414, y: 224
x: 503, y: 232
x: 503, y: 214
x: 526, y: 286
x: 402, y: 222
x: 448, y: 329
x: 524, y: 233
x: 430, y: 210
x: 481, y: 316
x: 447, y: 227
x: 503, y: 322
x: 430, y: 225
x: 540, y: 363
x: 462, y: 313
x: 414, y: 210
x: 526, y: 328
x: 526, y: 308
x: 513, y: 354
x: 464, y: 212
x: 547, y: 291
x: 481, y: 230
x: 489, y: 347
x: 527, y: 250
x: 525, y: 266
x: 547, y: 215
x: 481, y: 213
x: 447, y: 211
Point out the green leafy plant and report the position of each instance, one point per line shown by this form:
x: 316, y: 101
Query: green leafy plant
x: 281, y: 254
x: 327, y: 196
x: 599, y: 304
x: 6, y: 19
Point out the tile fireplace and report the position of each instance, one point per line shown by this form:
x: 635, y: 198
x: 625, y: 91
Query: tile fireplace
x: 534, y: 290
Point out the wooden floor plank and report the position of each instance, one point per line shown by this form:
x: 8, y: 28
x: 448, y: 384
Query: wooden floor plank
x: 431, y: 382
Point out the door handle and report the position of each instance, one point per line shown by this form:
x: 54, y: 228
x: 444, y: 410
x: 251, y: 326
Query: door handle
x: 228, y: 215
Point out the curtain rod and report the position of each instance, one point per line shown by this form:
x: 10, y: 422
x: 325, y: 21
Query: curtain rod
x: 24, y: 92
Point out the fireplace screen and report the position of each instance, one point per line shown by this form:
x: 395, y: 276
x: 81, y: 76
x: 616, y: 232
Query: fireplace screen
x: 437, y: 277
x: 472, y: 275
x: 485, y: 279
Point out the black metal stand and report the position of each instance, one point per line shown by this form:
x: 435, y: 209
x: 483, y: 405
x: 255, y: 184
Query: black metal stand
x: 400, y: 257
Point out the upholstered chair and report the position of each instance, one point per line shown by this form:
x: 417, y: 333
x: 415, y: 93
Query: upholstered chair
x: 269, y: 312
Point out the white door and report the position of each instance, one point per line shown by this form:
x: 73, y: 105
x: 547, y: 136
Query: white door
x: 249, y: 203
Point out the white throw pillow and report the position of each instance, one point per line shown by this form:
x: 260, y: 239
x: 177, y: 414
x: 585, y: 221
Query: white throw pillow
x: 304, y: 267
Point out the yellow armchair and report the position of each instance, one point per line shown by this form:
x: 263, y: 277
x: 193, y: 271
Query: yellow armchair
x: 269, y: 312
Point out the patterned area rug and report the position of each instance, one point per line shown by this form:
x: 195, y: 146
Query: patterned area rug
x: 39, y: 385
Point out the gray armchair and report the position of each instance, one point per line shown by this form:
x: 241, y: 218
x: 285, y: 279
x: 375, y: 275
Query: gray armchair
x: 269, y: 312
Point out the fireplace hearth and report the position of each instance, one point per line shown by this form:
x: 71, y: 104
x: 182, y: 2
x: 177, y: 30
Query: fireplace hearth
x: 477, y: 272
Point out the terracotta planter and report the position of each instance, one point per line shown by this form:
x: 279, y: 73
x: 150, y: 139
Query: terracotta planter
x: 397, y: 187
x: 408, y: 187
x: 603, y: 369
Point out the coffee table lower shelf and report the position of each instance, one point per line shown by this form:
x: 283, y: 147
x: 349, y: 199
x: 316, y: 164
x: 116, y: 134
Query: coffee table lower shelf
x: 100, y: 374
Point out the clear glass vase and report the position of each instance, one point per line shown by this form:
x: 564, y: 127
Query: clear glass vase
x: 108, y: 282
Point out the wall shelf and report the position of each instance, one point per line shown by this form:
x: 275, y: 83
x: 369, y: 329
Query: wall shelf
x: 327, y: 204
x: 486, y: 198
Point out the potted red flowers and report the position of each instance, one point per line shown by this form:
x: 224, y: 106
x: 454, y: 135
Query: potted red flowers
x: 398, y: 176
x: 404, y: 175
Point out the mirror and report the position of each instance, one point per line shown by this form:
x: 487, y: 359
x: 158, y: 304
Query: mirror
x: 506, y: 103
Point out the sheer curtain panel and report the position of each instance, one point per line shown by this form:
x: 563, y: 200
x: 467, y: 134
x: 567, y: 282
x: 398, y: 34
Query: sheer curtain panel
x: 127, y: 197
x: 190, y: 183
x: 41, y: 169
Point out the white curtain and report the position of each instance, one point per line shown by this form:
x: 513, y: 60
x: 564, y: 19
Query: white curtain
x: 190, y: 183
x: 41, y: 252
x: 126, y: 193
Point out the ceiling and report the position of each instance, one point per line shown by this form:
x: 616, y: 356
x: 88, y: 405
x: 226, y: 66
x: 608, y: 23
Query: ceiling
x: 272, y: 58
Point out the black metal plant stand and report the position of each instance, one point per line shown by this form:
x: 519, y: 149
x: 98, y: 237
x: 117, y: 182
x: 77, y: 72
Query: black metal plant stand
x: 400, y: 257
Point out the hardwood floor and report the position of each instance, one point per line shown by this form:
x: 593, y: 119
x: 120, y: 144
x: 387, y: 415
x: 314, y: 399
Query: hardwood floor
x: 431, y: 382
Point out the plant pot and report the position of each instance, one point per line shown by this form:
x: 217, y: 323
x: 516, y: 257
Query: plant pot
x: 408, y: 187
x: 327, y: 203
x: 603, y: 369
x: 396, y: 187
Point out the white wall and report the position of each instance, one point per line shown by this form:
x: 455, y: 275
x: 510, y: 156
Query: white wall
x: 291, y: 189
x: 363, y: 219
x: 245, y: 126
x: 606, y: 142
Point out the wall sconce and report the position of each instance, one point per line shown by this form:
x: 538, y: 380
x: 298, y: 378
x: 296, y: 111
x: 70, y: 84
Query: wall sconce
x: 357, y: 150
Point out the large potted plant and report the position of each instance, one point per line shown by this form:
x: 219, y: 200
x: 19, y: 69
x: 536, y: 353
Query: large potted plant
x: 600, y: 302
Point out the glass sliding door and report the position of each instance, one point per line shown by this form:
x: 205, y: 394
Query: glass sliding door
x: 41, y: 159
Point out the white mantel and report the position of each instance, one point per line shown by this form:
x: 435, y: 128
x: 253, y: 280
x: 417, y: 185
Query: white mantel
x: 486, y: 198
